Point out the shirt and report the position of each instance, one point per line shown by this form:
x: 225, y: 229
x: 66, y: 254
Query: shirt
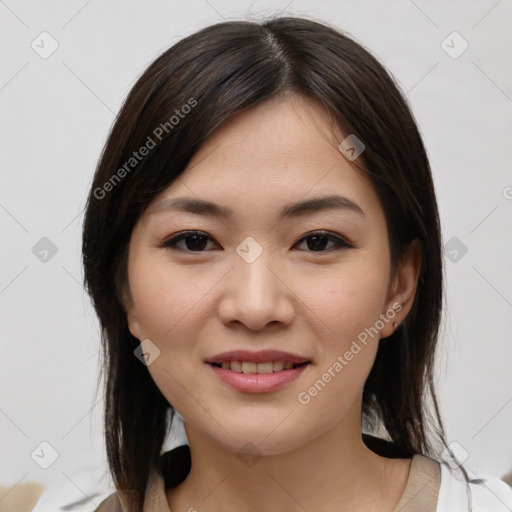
x: 431, y: 487
x: 420, y: 493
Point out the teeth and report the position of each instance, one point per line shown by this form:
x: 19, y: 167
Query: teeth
x: 265, y: 367
x: 262, y: 368
x: 249, y: 367
x: 236, y: 366
x: 278, y: 366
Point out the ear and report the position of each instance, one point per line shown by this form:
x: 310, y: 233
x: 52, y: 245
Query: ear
x: 131, y: 313
x: 402, y: 288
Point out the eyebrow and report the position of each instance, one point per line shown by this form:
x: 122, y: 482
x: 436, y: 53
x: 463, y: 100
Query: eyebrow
x: 207, y: 208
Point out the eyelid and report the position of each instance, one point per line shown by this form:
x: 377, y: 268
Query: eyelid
x: 339, y: 240
x: 170, y: 242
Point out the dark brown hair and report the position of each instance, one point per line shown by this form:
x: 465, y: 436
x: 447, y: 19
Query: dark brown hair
x: 220, y: 71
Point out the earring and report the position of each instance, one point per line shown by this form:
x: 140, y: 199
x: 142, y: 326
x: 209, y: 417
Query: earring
x: 396, y: 324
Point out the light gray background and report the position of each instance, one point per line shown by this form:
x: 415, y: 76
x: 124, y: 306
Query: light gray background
x: 56, y: 113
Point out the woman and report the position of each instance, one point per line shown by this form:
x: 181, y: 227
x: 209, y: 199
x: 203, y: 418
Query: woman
x: 262, y: 247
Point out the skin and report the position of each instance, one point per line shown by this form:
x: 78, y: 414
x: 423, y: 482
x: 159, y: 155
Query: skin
x: 193, y: 305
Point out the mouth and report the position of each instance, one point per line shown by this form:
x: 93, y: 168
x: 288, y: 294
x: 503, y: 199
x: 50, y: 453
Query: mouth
x: 263, y: 362
x: 258, y: 372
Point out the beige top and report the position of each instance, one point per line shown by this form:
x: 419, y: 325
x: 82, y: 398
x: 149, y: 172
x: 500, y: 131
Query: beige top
x: 420, y: 493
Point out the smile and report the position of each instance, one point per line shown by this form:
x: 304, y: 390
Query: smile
x: 252, y: 381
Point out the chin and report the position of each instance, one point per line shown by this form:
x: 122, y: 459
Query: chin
x: 260, y: 439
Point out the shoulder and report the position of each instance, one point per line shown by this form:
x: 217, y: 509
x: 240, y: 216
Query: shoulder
x: 422, y: 486
x: 110, y: 504
x: 173, y: 468
x: 485, y: 493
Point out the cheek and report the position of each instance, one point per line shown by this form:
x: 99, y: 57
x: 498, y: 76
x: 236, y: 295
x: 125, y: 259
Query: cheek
x: 348, y: 306
x: 167, y: 304
x: 167, y: 298
x: 346, y: 299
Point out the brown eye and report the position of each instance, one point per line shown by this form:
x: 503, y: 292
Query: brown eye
x: 197, y: 241
x: 318, y: 240
x: 194, y: 241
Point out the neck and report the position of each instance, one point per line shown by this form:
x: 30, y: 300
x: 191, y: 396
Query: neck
x: 333, y: 472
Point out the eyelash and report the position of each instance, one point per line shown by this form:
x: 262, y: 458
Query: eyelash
x: 340, y: 243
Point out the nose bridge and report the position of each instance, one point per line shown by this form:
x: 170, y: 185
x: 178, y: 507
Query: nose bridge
x: 255, y: 281
x: 256, y: 294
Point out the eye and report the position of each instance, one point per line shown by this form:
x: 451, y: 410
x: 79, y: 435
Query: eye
x: 196, y: 241
x: 317, y: 240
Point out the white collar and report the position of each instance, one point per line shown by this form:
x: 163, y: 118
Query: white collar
x: 485, y: 493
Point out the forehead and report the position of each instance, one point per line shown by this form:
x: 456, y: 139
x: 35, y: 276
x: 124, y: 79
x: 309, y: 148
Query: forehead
x: 282, y: 151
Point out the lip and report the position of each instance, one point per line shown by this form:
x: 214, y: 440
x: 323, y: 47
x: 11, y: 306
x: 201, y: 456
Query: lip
x: 255, y: 382
x: 262, y: 356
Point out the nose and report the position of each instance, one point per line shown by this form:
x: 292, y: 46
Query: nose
x: 257, y: 293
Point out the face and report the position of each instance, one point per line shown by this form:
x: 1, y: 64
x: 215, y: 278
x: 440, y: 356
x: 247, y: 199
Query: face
x: 314, y: 284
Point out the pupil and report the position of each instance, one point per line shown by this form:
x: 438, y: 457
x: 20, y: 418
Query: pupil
x: 316, y: 245
x: 196, y: 244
